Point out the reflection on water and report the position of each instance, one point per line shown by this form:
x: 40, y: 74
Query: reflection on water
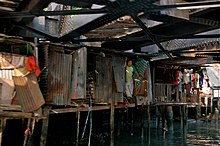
x: 202, y: 133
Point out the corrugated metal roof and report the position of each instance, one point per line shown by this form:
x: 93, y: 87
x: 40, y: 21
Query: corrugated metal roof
x: 213, y: 75
x: 59, y: 78
x: 7, y: 73
x: 28, y: 92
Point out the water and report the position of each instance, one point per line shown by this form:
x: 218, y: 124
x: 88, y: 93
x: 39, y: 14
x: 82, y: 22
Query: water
x: 200, y: 133
x: 62, y: 131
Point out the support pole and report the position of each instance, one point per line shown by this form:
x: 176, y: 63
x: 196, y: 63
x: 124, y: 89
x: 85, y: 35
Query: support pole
x: 112, y: 120
x: 78, y: 119
x: 45, y: 122
x: 132, y: 121
x: 142, y: 122
x: 27, y: 134
x: 157, y: 117
x: 119, y: 123
x: 148, y: 115
x: 3, y: 125
x: 169, y: 117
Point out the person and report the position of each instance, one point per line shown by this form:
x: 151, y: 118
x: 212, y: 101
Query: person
x: 129, y: 82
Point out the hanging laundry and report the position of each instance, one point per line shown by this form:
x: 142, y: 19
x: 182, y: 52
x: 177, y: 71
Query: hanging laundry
x: 201, y: 78
x: 196, y: 80
x: 22, y: 71
x: 32, y: 66
x: 18, y: 61
x: 176, y: 78
x: 186, y: 76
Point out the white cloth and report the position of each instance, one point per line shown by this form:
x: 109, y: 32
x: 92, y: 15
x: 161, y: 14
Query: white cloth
x: 129, y: 87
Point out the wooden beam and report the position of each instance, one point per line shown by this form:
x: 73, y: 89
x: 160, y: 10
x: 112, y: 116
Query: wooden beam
x: 15, y: 115
x: 81, y: 109
x: 44, y: 131
x: 10, y: 107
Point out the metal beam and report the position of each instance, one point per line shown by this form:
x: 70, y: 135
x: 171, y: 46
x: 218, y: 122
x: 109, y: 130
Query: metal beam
x: 190, y: 5
x: 53, y: 13
x: 44, y: 34
x: 148, y: 33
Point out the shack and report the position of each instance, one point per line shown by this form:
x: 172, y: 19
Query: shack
x: 72, y: 58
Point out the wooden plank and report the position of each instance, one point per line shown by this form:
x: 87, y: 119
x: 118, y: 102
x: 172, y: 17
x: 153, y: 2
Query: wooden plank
x: 112, y: 121
x: 15, y: 115
x: 44, y: 131
x: 94, y: 108
x: 2, y: 127
x: 10, y: 107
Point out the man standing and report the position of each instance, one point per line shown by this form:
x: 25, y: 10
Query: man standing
x: 129, y: 84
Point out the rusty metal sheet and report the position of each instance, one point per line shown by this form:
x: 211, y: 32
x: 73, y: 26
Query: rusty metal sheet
x: 119, y: 73
x: 103, y: 86
x: 28, y: 92
x: 59, y: 78
x: 78, y: 86
x: 6, y: 91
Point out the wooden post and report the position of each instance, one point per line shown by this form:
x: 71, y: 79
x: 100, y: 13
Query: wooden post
x: 45, y: 122
x: 27, y: 134
x: 157, y: 117
x: 153, y: 82
x: 177, y: 94
x: 132, y: 121
x: 3, y: 125
x: 148, y: 114
x: 119, y: 119
x: 78, y: 119
x: 199, y: 102
x: 142, y: 122
x: 112, y: 120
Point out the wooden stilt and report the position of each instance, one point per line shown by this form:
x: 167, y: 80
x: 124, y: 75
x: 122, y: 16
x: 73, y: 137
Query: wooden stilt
x: 119, y: 123
x: 77, y: 135
x: 132, y: 121
x: 163, y: 116
x: 27, y: 134
x: 157, y: 118
x: 142, y: 122
x: 148, y: 114
x: 3, y: 125
x: 112, y: 120
x: 45, y: 122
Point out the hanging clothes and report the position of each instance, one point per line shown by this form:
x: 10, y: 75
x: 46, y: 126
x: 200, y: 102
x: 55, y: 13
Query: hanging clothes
x: 186, y: 76
x: 201, y: 78
x: 32, y: 66
x: 196, y: 80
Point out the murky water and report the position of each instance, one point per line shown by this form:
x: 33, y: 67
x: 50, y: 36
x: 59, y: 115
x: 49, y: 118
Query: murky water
x: 202, y: 133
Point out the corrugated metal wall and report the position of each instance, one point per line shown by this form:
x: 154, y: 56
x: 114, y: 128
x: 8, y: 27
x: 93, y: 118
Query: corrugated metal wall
x: 59, y: 78
x: 119, y: 78
x: 104, y: 77
x: 110, y: 79
x: 7, y: 73
x: 43, y: 59
x: 78, y: 89
x: 28, y: 92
